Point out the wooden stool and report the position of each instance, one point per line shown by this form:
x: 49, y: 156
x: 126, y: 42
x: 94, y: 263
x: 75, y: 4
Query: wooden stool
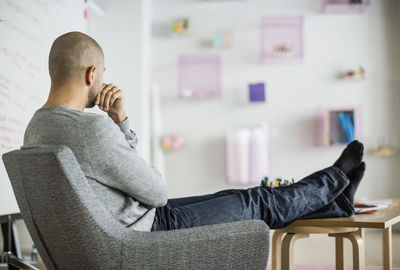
x: 282, y: 250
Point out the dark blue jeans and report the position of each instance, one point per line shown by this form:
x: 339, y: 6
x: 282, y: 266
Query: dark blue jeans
x: 318, y: 195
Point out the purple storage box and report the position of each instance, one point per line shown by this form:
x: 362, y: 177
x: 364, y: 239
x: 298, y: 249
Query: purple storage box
x: 344, y: 6
x: 281, y: 39
x: 199, y: 76
x: 257, y: 92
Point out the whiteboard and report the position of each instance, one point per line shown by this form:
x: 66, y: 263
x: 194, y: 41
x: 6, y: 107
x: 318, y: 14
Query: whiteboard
x: 27, y: 30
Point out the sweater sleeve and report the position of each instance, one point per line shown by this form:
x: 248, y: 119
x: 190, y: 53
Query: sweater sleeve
x: 116, y: 163
x: 130, y: 135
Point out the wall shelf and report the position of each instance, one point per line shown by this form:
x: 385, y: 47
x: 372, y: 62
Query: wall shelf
x: 281, y: 39
x: 199, y: 76
x: 344, y: 6
x: 337, y: 126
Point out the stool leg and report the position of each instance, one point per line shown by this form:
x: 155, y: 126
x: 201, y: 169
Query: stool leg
x: 357, y: 242
x: 340, y: 254
x: 361, y: 233
x: 276, y: 249
x: 287, y: 249
x: 358, y: 249
x: 387, y: 248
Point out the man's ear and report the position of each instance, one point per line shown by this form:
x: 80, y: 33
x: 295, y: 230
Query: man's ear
x: 90, y: 75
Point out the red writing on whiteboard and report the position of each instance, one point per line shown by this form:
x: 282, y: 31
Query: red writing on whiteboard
x: 10, y: 140
x: 5, y: 147
x: 21, y: 62
x: 4, y: 86
x: 12, y: 120
x: 8, y: 143
x: 5, y: 139
x: 15, y: 121
x: 24, y: 12
x: 12, y: 130
x: 9, y: 84
x: 11, y: 100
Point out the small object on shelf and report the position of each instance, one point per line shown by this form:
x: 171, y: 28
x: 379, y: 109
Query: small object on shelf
x: 346, y: 121
x: 384, y: 151
x: 181, y: 26
x: 282, y: 50
x: 218, y: 41
x: 198, y: 93
x: 345, y: 6
x: 223, y: 40
x: 358, y: 73
x: 337, y: 126
x: 199, y: 76
x: 281, y: 39
x: 187, y: 93
x: 257, y: 92
x: 173, y: 142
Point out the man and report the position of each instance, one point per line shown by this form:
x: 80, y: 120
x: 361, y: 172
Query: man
x: 134, y: 192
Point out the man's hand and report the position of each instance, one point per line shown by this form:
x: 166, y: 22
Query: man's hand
x: 110, y: 100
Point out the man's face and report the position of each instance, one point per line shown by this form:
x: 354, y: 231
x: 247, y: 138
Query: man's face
x: 96, y: 86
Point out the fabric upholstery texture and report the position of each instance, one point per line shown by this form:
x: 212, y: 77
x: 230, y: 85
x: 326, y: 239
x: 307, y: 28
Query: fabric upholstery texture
x: 73, y: 230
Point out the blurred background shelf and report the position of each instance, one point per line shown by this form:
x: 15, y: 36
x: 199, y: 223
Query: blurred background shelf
x: 281, y: 40
x: 345, y: 6
x: 199, y: 76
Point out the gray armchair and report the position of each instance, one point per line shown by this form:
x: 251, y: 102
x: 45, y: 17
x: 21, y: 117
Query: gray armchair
x: 73, y: 230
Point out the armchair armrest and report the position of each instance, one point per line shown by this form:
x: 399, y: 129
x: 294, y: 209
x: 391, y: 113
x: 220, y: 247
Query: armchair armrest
x: 235, y: 245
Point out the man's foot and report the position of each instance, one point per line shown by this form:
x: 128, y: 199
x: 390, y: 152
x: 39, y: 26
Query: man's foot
x: 351, y: 157
x: 355, y: 177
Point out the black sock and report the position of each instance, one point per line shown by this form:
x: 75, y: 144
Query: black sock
x: 355, y: 177
x: 351, y: 157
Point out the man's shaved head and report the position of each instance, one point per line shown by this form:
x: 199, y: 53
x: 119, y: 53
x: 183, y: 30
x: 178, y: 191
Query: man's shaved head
x: 76, y: 60
x: 71, y: 55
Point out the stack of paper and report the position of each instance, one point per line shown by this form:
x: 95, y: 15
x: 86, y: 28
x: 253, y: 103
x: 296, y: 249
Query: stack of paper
x: 370, y: 206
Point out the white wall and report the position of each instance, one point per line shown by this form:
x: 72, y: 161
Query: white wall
x: 333, y: 43
x: 123, y: 33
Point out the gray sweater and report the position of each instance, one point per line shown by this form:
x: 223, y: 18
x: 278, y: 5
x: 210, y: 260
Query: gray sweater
x: 127, y: 186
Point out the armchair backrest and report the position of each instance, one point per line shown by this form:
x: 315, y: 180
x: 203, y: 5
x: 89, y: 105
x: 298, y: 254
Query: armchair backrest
x: 67, y: 222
